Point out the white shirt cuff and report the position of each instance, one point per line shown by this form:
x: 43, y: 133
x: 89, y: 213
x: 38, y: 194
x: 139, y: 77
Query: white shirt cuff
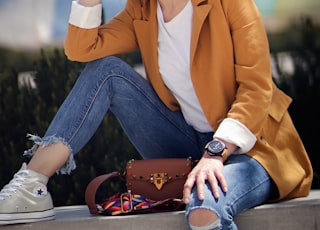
x: 233, y: 131
x: 85, y: 17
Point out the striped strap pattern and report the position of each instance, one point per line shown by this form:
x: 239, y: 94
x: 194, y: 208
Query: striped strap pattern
x: 128, y: 203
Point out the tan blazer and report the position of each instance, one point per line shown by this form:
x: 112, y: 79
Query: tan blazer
x: 230, y: 69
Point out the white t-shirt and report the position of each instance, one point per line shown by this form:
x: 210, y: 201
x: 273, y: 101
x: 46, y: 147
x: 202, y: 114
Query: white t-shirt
x: 174, y: 38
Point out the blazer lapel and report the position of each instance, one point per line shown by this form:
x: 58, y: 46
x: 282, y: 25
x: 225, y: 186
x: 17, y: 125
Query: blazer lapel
x: 200, y: 13
x: 147, y: 33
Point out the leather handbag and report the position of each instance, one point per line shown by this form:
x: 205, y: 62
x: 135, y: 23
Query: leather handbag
x: 158, y: 179
x: 153, y: 185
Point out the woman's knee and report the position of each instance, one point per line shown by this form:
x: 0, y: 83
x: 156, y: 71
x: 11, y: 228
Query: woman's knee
x: 108, y: 61
x: 209, y: 213
x: 103, y: 66
x: 202, y: 219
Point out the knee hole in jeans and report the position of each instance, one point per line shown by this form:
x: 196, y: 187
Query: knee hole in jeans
x: 202, y: 217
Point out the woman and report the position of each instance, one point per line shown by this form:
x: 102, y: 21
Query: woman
x: 209, y: 94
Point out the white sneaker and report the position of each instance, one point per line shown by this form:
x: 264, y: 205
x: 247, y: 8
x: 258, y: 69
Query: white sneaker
x: 26, y: 199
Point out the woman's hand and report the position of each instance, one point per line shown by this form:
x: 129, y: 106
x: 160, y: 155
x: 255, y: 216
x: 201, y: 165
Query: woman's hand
x: 208, y: 169
x: 89, y: 2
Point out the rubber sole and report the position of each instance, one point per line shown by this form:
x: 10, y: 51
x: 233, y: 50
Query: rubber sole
x: 27, y: 217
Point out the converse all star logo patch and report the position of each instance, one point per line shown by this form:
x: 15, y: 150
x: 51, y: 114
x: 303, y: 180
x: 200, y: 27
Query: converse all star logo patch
x: 40, y: 190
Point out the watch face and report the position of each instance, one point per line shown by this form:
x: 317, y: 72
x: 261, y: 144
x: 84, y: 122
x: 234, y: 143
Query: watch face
x: 216, y: 146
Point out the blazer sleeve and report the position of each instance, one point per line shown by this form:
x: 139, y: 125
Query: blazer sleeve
x: 115, y: 37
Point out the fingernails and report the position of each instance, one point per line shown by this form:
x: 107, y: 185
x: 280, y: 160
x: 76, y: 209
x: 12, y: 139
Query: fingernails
x: 216, y: 195
x: 225, y: 189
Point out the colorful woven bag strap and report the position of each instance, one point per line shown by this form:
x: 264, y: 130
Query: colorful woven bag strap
x: 125, y: 203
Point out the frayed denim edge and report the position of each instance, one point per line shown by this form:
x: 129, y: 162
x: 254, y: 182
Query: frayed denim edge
x: 45, y: 141
x: 188, y: 210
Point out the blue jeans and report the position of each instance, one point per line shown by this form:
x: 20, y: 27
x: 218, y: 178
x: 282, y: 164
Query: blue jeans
x: 248, y: 185
x: 109, y: 84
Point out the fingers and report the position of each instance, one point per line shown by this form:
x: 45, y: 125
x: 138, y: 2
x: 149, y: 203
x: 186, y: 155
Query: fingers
x: 213, y: 181
x: 199, y: 177
x: 188, y: 187
x: 222, y: 181
x: 89, y: 2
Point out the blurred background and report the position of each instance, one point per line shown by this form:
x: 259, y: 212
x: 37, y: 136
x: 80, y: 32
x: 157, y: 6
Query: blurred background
x: 35, y: 77
x: 32, y: 24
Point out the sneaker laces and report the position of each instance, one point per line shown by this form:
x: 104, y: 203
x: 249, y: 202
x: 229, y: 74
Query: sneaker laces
x: 14, y: 184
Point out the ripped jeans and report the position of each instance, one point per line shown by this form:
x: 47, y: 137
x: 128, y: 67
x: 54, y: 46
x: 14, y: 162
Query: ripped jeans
x: 109, y: 84
x: 248, y: 185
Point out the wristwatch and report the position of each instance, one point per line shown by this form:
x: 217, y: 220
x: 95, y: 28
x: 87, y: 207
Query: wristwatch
x: 217, y: 148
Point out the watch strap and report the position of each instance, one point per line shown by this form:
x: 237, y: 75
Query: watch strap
x: 224, y: 154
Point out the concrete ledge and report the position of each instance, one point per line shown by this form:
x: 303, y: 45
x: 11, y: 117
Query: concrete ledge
x: 297, y: 214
